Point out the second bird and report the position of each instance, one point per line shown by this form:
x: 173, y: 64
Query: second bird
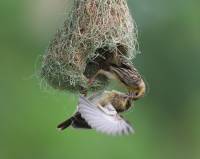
x: 100, y: 112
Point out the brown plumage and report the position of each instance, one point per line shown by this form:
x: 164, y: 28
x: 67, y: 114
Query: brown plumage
x: 120, y: 102
x: 117, y: 66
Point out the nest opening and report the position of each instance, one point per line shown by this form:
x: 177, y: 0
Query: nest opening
x: 93, y: 31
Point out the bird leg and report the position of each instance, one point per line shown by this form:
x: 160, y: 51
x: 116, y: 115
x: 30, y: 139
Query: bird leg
x: 84, y: 92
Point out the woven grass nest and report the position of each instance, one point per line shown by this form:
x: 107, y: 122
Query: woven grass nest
x: 93, y: 30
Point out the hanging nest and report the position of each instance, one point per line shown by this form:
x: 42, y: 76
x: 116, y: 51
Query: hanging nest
x: 94, y: 29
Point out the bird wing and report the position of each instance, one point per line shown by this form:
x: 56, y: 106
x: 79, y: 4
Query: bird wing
x: 129, y: 77
x: 103, y: 119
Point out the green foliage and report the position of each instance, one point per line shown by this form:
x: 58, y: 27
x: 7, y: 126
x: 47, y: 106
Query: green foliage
x: 166, y: 120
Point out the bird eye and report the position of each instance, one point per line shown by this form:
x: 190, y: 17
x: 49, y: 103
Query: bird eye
x: 136, y: 93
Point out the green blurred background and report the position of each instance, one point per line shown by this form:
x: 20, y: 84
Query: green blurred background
x: 166, y: 120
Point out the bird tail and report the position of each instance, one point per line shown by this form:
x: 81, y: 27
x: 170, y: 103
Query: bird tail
x: 65, y: 124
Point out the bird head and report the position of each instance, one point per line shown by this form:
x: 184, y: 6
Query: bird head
x: 138, y: 91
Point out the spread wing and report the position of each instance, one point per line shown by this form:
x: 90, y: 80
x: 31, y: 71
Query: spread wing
x: 103, y: 119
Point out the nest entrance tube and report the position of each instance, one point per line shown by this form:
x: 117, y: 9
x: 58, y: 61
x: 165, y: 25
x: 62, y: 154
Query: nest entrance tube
x: 91, y: 26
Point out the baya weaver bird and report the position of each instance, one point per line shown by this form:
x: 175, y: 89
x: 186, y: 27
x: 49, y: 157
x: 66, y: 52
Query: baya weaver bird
x: 100, y: 112
x: 117, y: 66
